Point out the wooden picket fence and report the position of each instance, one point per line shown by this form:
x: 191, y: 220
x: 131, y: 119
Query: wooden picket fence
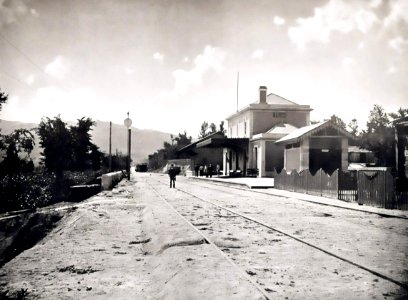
x: 374, y: 188
x: 320, y: 184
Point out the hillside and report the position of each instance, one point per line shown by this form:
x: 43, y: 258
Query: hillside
x: 144, y: 141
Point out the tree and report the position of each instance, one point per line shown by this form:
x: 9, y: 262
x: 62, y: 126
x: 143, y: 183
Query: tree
x: 169, y: 151
x: 81, y: 143
x: 3, y: 98
x: 338, y: 121
x: 213, y: 128
x: 402, y: 112
x: 17, y: 146
x: 377, y: 120
x: 379, y: 137
x: 203, y: 130
x: 56, y: 141
x: 222, y: 129
x: 182, y: 140
x: 353, y: 126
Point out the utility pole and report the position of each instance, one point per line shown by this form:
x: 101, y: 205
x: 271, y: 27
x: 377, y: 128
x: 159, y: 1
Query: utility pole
x: 110, y: 146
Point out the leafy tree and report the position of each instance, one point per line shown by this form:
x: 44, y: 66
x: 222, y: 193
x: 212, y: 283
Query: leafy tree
x: 81, y: 143
x: 169, y: 151
x: 96, y: 157
x: 203, y: 130
x: 3, y: 98
x: 182, y: 140
x: 377, y: 120
x: 213, y: 128
x: 353, y: 126
x: 221, y: 128
x: 56, y: 141
x: 17, y: 146
x: 379, y: 137
x: 402, y: 112
x: 338, y: 121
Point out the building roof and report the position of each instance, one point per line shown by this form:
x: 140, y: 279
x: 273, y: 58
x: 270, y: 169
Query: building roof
x: 282, y: 128
x: 274, y: 103
x: 402, y: 122
x: 275, y: 99
x: 194, y: 144
x: 357, y: 149
x: 307, y: 131
x: 224, y: 142
x: 276, y: 132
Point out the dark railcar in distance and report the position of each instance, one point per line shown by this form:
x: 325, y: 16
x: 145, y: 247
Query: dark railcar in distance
x: 141, y: 168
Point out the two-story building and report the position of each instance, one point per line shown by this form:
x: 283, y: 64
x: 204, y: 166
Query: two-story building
x: 264, y: 122
x: 274, y: 133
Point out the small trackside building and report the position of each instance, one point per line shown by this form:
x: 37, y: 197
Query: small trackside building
x: 319, y: 146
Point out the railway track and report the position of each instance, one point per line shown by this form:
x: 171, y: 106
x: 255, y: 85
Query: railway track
x: 237, y: 187
x: 192, y: 207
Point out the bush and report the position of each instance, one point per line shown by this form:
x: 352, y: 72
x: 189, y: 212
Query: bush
x: 32, y: 190
x: 26, y: 191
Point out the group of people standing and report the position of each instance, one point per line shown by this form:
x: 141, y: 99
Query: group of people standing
x: 206, y: 170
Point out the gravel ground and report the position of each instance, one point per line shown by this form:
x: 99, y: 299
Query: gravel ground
x: 124, y: 244
x: 129, y: 244
x: 373, y: 241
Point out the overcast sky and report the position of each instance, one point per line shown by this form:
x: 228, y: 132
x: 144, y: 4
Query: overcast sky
x: 174, y: 64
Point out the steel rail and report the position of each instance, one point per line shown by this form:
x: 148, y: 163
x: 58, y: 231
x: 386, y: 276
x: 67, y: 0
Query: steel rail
x: 243, y: 273
x: 233, y: 186
x: 376, y: 273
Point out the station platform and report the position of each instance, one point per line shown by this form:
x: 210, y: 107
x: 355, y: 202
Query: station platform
x: 266, y: 186
x: 249, y: 182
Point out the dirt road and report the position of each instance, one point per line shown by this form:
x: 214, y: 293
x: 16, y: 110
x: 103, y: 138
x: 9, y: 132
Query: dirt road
x: 145, y: 241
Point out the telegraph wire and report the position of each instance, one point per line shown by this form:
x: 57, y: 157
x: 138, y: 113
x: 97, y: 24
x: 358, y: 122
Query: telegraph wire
x: 22, y: 53
x: 28, y: 59
x: 16, y: 79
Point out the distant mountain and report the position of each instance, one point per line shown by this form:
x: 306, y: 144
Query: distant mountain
x: 144, y: 141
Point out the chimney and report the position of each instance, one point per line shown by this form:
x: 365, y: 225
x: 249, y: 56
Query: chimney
x: 262, y: 94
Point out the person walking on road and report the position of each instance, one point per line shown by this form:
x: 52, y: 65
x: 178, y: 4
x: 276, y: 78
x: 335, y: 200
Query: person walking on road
x: 172, y: 174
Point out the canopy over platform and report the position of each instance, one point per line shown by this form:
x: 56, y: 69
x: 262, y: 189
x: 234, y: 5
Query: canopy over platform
x: 224, y: 142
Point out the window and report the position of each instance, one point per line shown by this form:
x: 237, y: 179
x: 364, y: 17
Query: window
x: 279, y: 115
x: 245, y: 128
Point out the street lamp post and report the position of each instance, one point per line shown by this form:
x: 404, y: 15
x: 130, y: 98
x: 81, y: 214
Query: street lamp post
x: 128, y: 123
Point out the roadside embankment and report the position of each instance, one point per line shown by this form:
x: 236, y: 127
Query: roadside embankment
x: 124, y: 244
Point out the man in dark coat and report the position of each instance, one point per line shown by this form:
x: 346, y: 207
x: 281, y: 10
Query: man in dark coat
x: 172, y: 174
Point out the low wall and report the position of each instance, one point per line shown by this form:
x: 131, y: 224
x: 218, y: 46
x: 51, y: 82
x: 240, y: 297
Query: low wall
x: 110, y: 179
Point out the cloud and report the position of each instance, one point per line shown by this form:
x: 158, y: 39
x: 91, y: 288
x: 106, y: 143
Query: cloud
x: 30, y: 79
x: 211, y: 59
x: 34, y: 12
x: 391, y: 70
x: 59, y: 67
x: 375, y: 3
x: 129, y: 71
x: 258, y: 54
x: 278, y: 20
x: 399, y: 44
x: 398, y: 12
x: 51, y: 101
x: 335, y: 16
x: 10, y: 11
x: 347, y: 61
x: 158, y: 56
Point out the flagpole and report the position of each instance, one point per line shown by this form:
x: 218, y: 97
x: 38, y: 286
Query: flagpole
x: 237, y: 89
